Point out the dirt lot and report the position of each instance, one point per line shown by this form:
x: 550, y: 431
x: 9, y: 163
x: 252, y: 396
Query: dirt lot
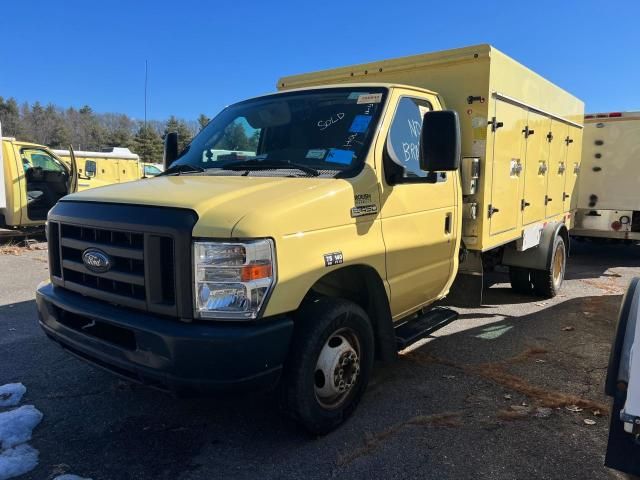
x: 486, y: 397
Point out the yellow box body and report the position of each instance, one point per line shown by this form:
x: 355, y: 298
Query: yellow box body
x: 484, y: 85
x: 110, y: 167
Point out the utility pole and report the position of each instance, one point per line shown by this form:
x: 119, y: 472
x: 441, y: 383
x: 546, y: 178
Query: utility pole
x: 146, y: 77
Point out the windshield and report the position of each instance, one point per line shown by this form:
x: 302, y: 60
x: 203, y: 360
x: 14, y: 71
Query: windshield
x: 322, y: 133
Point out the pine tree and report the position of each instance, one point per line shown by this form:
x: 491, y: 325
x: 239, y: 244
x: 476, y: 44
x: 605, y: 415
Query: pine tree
x: 148, y: 144
x: 235, y: 138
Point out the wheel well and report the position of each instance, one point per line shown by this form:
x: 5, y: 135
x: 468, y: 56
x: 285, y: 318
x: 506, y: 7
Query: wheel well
x: 564, y: 233
x: 362, y: 285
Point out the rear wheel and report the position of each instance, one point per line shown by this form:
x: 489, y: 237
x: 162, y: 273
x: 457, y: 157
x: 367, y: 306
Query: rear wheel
x: 520, y: 279
x: 329, y: 366
x: 547, y: 283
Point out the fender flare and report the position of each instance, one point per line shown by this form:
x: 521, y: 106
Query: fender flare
x: 627, y: 323
x: 540, y: 257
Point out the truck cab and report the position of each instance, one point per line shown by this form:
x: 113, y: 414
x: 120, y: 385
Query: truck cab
x: 304, y: 234
x: 32, y: 180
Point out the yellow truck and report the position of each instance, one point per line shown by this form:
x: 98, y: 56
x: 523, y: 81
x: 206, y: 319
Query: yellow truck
x: 32, y: 180
x: 608, y: 200
x: 97, y: 169
x: 367, y: 189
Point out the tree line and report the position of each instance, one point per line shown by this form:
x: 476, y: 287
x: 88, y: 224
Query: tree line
x: 85, y: 129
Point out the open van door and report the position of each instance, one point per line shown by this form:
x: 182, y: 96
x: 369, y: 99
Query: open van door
x: 72, y: 186
x: 3, y: 196
x: 623, y: 384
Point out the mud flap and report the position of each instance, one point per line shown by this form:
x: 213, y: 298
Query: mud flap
x: 466, y: 291
x: 623, y: 384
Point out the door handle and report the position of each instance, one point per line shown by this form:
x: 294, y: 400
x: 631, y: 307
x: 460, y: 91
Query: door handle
x: 447, y: 224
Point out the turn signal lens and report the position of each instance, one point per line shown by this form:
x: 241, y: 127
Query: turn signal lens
x: 255, y: 272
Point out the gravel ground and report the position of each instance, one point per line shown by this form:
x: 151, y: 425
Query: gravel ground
x: 485, y: 397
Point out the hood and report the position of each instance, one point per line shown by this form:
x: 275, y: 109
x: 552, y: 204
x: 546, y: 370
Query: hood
x: 221, y: 202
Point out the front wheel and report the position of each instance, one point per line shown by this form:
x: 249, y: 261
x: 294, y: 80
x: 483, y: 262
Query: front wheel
x: 547, y: 283
x: 329, y: 365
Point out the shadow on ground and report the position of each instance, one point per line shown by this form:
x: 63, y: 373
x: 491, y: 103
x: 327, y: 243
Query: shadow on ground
x: 443, y: 402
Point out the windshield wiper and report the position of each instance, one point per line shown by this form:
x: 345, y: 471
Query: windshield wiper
x: 270, y: 164
x: 182, y: 168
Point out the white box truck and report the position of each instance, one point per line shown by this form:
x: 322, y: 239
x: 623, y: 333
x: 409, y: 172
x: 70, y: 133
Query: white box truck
x: 608, y: 199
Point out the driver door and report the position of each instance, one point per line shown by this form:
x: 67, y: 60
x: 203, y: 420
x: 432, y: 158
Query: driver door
x: 72, y: 183
x: 418, y: 211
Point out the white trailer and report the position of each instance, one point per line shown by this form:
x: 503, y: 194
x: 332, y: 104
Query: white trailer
x: 608, y: 199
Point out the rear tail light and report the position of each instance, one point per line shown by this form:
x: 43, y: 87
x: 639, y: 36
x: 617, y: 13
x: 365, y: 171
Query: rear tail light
x: 603, y: 115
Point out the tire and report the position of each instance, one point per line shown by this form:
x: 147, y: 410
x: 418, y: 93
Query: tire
x: 520, y: 279
x: 547, y: 283
x: 327, y: 333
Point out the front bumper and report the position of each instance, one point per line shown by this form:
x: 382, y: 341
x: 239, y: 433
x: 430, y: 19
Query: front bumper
x: 162, y: 352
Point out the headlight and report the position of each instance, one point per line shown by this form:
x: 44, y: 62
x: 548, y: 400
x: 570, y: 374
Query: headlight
x: 232, y: 280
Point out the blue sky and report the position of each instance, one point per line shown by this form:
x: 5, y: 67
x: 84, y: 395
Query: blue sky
x: 205, y: 55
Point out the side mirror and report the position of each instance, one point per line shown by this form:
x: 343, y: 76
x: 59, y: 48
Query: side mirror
x: 440, y: 141
x: 170, y: 149
x: 90, y: 168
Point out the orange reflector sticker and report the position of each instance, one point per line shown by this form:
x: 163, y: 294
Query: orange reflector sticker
x: 255, y: 272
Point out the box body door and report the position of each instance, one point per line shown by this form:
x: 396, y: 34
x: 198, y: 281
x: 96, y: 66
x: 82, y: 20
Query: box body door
x: 536, y: 168
x: 557, y: 167
x: 507, y: 165
x: 574, y: 152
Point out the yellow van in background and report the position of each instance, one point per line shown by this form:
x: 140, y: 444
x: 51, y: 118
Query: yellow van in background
x: 32, y: 180
x: 97, y: 169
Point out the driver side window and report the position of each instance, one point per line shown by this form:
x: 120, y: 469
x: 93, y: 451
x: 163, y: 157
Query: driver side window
x: 36, y: 158
x: 402, y: 152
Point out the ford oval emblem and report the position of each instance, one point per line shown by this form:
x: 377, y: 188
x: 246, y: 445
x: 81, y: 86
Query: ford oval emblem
x: 96, y: 260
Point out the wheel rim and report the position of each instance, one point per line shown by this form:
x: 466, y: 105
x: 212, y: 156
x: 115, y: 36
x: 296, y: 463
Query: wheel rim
x: 337, y: 368
x: 558, y: 265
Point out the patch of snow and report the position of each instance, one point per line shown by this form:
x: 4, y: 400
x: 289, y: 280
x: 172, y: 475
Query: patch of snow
x: 17, y: 461
x: 68, y: 476
x: 11, y: 394
x: 16, y: 425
